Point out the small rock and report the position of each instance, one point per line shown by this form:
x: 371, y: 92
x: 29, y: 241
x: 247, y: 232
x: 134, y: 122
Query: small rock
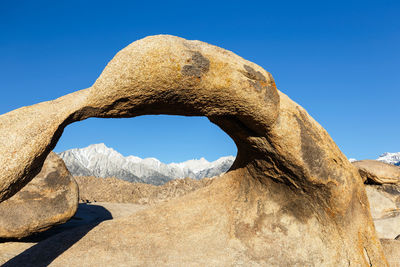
x: 50, y: 198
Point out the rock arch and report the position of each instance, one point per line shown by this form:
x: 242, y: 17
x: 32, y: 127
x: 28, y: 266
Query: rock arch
x: 293, y: 197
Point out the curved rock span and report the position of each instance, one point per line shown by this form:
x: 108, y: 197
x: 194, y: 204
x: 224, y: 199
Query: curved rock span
x: 290, y: 198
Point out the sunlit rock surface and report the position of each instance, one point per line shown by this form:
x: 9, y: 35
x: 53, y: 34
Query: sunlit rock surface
x: 51, y: 198
x: 290, y: 198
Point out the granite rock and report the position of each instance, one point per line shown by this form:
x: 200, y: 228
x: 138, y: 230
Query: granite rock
x: 51, y: 198
x: 392, y: 251
x: 291, y: 198
x: 114, y: 190
x: 377, y: 172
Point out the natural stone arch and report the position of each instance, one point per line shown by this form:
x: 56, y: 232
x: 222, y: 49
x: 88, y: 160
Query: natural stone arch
x: 291, y: 185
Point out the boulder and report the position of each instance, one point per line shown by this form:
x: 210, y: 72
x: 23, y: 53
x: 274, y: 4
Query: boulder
x: 377, y: 172
x: 289, y: 185
x: 51, y: 198
x: 392, y: 251
x: 113, y: 190
x: 385, y: 209
x: 383, y: 204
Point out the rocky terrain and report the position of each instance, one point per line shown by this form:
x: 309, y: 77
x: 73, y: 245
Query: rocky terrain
x: 101, y: 161
x: 105, y: 199
x: 291, y: 198
x: 29, y: 223
x: 42, y: 248
x: 112, y: 198
x: 93, y: 189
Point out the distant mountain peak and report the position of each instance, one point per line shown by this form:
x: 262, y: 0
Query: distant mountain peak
x: 391, y: 158
x: 100, y: 147
x: 102, y: 161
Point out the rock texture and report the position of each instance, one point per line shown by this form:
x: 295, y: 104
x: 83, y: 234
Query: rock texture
x: 385, y: 209
x: 51, y: 198
x: 376, y: 172
x: 30, y: 251
x: 94, y: 189
x: 392, y: 251
x: 289, y: 184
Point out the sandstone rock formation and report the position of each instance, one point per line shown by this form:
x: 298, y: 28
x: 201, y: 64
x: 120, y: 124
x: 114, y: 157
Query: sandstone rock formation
x: 113, y: 190
x: 377, y: 172
x: 290, y: 198
x: 50, y: 198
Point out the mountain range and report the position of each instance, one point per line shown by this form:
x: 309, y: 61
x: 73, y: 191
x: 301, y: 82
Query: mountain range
x: 391, y: 158
x: 101, y: 161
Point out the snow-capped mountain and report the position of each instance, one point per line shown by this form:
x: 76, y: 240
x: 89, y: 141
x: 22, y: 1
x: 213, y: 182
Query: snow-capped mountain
x: 391, y: 158
x: 102, y: 161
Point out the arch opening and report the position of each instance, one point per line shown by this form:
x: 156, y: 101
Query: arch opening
x: 150, y: 149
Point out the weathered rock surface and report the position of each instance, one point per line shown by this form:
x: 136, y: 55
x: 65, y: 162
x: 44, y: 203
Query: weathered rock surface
x: 377, y: 172
x: 385, y: 209
x: 50, y: 198
x: 11, y: 249
x: 94, y: 189
x: 30, y: 251
x: 289, y: 185
x: 392, y: 251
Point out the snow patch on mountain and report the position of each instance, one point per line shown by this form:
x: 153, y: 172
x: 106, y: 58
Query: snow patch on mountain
x: 391, y: 158
x: 102, y: 161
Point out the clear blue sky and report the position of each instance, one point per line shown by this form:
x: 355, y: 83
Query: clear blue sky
x: 338, y: 59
